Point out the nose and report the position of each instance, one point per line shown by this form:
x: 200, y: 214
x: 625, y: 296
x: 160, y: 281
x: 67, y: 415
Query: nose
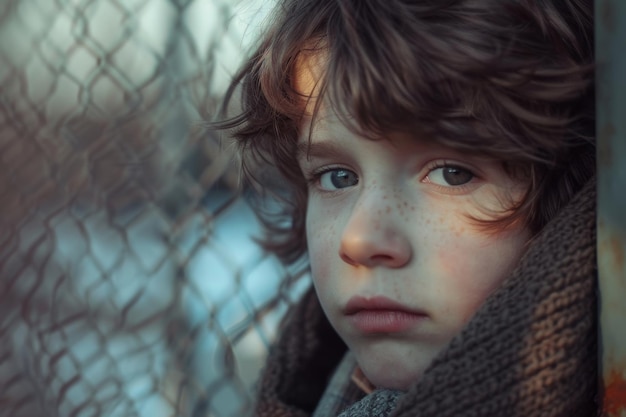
x: 375, y: 236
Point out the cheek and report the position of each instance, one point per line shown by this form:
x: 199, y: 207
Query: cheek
x: 321, y: 237
x: 466, y: 281
x: 473, y: 266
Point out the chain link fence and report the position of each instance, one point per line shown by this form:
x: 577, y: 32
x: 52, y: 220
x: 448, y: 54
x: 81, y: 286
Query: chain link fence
x: 130, y: 284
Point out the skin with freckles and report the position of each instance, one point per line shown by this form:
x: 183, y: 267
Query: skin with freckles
x: 392, y: 218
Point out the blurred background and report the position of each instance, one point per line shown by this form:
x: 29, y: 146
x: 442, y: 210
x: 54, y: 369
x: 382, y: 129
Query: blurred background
x: 130, y: 280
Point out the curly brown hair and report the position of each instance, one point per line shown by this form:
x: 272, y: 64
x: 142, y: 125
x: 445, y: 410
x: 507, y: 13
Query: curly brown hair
x: 510, y: 79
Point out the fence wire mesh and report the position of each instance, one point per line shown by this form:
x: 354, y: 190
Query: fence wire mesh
x: 129, y: 282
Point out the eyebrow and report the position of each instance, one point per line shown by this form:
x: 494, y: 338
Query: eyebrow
x: 318, y: 149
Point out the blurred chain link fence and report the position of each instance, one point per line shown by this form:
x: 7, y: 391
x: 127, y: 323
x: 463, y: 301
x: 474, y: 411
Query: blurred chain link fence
x: 129, y: 282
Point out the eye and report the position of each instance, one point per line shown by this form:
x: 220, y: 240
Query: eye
x: 334, y: 179
x: 450, y: 176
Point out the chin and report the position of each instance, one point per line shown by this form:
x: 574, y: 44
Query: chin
x: 391, y: 377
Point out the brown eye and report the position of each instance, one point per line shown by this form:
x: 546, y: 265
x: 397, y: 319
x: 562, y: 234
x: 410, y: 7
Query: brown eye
x: 457, y: 176
x: 450, y: 176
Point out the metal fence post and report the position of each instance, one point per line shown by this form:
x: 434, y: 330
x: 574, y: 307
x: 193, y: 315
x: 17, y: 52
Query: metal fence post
x: 611, y: 160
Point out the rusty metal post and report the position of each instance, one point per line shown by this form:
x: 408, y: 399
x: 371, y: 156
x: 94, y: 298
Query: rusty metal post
x: 610, y: 44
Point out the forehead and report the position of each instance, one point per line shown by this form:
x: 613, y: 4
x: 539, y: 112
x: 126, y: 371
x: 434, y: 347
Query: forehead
x: 308, y: 75
x: 322, y: 109
x: 318, y: 112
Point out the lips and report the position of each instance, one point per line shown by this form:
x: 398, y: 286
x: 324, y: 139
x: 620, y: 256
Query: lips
x: 381, y: 315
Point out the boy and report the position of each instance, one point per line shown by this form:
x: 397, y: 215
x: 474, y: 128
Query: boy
x: 440, y: 159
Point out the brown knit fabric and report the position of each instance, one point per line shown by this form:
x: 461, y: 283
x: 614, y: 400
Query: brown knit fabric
x: 529, y: 351
x: 300, y: 365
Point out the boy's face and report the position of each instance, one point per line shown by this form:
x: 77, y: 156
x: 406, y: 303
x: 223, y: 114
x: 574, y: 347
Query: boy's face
x: 397, y: 264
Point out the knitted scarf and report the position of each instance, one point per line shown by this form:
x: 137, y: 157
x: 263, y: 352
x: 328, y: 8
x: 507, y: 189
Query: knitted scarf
x: 529, y: 351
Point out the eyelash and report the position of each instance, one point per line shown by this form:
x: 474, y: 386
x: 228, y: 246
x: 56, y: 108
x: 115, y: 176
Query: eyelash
x: 313, y: 178
x: 456, y: 189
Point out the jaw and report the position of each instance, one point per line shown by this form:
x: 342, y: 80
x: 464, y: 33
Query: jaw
x: 393, y: 363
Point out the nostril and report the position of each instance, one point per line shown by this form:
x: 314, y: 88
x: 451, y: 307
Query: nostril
x: 369, y: 260
x: 347, y: 259
x: 381, y: 258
